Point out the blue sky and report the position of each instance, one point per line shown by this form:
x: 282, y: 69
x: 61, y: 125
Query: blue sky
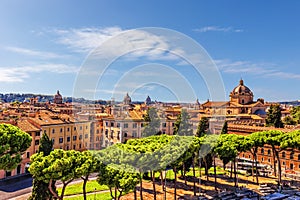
x: 44, y: 44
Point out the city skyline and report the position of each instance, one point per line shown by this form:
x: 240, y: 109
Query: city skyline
x: 44, y: 45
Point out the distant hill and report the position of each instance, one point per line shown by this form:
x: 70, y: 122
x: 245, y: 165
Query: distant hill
x: 292, y: 103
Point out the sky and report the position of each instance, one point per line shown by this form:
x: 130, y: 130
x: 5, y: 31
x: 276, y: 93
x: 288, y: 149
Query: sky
x: 191, y: 48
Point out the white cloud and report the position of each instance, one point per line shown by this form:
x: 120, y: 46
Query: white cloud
x: 247, y: 67
x: 85, y: 40
x: 218, y: 29
x: 30, y: 52
x: 19, y: 74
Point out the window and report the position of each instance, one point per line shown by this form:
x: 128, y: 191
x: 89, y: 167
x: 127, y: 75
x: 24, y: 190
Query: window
x: 298, y: 156
x: 262, y: 150
x: 283, y: 163
x: 164, y: 125
x: 74, y: 128
x: 68, y: 129
x: 134, y: 134
x: 37, y: 134
x: 283, y: 155
x: 106, y: 123
x: 291, y: 166
x: 125, y: 125
x: 74, y: 146
x: 86, y: 127
x: 80, y: 137
x: 125, y: 134
x: 269, y: 152
x: 80, y: 127
x: 53, y: 130
x: 86, y: 136
x: 97, y: 131
x: 112, y: 124
x: 134, y: 125
x: 292, y: 156
x: 37, y: 142
x: 67, y: 147
x: 262, y: 159
x: 79, y: 146
x: 53, y: 141
x: 27, y: 154
x: 61, y: 140
x: 269, y: 160
x: 45, y: 131
x: 106, y: 132
x: 97, y: 138
x: 68, y: 139
x: 74, y: 137
x: 118, y: 125
x: 61, y: 130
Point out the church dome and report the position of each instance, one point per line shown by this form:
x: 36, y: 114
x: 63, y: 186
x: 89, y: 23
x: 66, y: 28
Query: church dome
x: 127, y: 99
x: 241, y: 89
x: 241, y: 94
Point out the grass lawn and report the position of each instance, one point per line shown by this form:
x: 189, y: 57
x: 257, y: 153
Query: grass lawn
x: 102, y: 196
x: 77, y: 188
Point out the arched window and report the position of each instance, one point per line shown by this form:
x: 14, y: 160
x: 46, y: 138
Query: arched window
x: 283, y: 155
x: 269, y: 152
x: 292, y: 155
x: 262, y: 151
x: 125, y: 134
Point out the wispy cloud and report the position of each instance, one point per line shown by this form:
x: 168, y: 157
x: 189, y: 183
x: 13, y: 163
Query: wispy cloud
x: 247, y: 67
x: 218, y: 29
x: 30, y: 52
x: 19, y: 74
x: 84, y: 40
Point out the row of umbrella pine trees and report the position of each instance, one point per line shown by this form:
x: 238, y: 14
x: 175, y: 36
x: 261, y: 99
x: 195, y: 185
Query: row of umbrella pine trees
x: 122, y: 166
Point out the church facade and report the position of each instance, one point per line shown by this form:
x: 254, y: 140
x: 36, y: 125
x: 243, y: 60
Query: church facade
x: 240, y: 105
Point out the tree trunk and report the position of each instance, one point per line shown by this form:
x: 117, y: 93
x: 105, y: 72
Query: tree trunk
x: 231, y: 167
x: 184, y: 174
x: 111, y: 193
x: 200, y: 176
x: 134, y: 193
x: 153, y: 182
x: 194, y: 176
x: 120, y: 194
x: 274, y: 159
x: 141, y: 187
x: 235, y: 179
x: 255, y: 157
x: 85, y: 179
x: 175, y: 181
x: 215, y: 172
x: 54, y: 194
x: 162, y: 181
x: 206, y: 169
x: 253, y: 153
x: 279, y: 168
x: 116, y: 194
